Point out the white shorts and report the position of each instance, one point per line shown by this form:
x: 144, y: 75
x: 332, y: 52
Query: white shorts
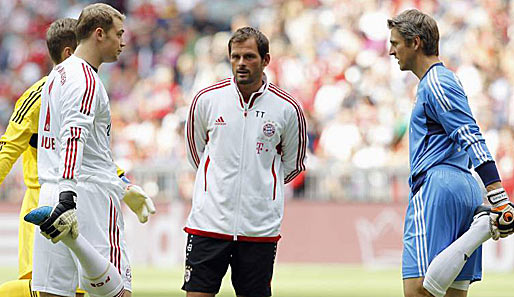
x: 55, y: 268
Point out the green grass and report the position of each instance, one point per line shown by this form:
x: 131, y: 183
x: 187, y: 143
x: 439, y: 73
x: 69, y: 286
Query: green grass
x: 306, y: 281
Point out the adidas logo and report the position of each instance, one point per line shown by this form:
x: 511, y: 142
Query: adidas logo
x: 220, y: 122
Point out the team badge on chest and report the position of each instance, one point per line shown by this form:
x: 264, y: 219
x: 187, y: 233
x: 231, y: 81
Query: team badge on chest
x: 269, y: 129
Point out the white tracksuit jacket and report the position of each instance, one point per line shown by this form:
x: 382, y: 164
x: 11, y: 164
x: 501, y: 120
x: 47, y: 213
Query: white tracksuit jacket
x: 74, y: 128
x: 243, y: 153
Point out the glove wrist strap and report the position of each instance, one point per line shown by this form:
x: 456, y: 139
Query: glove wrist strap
x: 68, y: 199
x: 497, y: 197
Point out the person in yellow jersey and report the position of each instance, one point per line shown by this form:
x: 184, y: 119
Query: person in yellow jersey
x: 20, y: 138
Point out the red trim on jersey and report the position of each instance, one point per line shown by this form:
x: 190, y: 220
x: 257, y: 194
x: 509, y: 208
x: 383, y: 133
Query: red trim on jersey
x: 118, y: 248
x: 92, y: 91
x: 241, y: 101
x: 76, y: 137
x: 231, y: 237
x: 71, y: 153
x: 302, y: 139
x: 51, y: 86
x: 114, y: 237
x: 86, y: 92
x: 205, y: 172
x: 190, y: 122
x: 111, y: 249
x: 254, y: 98
x: 87, y: 98
x: 274, y: 178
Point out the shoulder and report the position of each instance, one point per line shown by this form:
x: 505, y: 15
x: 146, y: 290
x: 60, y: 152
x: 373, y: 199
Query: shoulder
x: 214, y: 87
x: 441, y: 78
x: 29, y: 101
x: 32, y: 93
x: 285, y: 98
x: 444, y: 88
x: 212, y: 90
x: 75, y: 73
x: 34, y: 89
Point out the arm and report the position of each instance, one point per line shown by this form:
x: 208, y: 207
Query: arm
x: 449, y: 105
x: 452, y: 110
x: 294, y: 143
x: 196, y: 132
x: 78, y: 106
x: 20, y: 128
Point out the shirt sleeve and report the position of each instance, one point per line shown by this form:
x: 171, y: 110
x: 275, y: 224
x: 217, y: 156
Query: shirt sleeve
x: 294, y: 143
x: 19, y: 130
x: 450, y: 106
x: 196, y: 132
x: 78, y: 106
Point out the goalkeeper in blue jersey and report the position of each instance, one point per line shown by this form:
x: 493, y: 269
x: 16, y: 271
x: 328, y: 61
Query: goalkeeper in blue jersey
x: 445, y: 223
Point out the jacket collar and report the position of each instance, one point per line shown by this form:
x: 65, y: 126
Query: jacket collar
x: 255, y: 95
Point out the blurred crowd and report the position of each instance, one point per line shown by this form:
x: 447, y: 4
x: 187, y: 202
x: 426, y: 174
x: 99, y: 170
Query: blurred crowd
x: 332, y: 55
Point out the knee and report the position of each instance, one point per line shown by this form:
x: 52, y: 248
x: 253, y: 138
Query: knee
x: 416, y: 291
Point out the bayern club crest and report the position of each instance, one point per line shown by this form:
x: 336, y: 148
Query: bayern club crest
x: 268, y: 129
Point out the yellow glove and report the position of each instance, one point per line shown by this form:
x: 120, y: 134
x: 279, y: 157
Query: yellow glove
x: 137, y: 200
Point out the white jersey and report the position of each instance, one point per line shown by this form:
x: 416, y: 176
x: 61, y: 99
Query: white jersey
x: 244, y: 153
x: 74, y: 128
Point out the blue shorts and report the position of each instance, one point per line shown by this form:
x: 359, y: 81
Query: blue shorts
x: 439, y: 213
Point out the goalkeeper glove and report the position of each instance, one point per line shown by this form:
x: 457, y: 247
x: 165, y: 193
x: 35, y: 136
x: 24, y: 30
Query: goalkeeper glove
x: 63, y: 219
x: 137, y: 200
x: 502, y: 212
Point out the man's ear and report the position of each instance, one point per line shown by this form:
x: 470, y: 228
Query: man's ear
x: 99, y: 33
x: 416, y: 42
x: 266, y: 60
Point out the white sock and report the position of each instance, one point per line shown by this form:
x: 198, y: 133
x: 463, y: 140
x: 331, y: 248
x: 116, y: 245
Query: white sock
x: 100, y: 277
x: 445, y: 267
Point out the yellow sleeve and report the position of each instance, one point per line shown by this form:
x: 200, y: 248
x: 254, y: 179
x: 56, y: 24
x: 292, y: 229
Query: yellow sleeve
x: 20, y: 128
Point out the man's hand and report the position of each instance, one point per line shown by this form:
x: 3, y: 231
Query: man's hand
x: 502, y: 212
x: 139, y: 202
x: 63, y: 219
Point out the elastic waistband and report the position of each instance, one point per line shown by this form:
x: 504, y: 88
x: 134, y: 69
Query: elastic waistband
x: 418, y: 180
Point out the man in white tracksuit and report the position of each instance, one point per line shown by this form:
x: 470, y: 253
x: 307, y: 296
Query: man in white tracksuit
x: 246, y: 137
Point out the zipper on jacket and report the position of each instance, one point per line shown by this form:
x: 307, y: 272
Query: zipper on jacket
x: 241, y: 165
x: 206, y: 166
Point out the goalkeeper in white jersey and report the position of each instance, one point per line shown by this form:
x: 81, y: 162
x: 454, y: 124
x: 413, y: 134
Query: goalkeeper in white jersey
x: 77, y: 174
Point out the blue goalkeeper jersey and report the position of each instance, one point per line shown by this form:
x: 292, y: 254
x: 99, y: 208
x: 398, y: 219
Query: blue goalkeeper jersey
x: 442, y: 128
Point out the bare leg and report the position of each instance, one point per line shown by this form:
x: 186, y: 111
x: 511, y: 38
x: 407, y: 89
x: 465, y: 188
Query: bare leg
x: 413, y: 287
x: 198, y: 294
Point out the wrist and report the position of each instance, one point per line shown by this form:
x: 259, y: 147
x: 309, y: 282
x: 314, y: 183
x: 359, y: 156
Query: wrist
x: 68, y: 199
x: 497, y: 197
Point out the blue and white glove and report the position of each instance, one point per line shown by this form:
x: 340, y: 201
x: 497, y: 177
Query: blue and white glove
x: 502, y: 212
x: 63, y: 219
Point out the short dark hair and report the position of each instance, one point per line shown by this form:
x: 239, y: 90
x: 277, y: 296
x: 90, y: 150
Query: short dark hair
x: 412, y: 23
x: 98, y: 15
x: 245, y: 33
x: 59, y: 35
